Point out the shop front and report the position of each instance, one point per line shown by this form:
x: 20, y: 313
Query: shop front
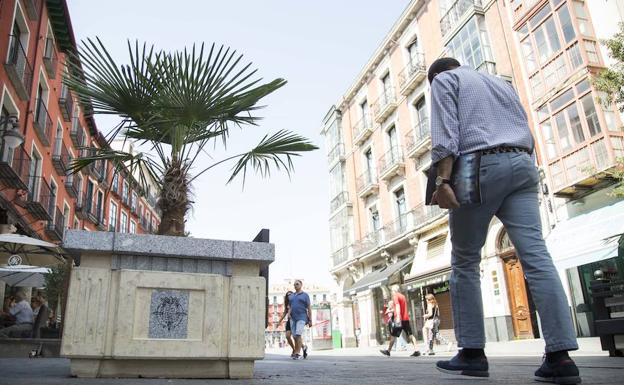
x: 436, y: 283
x: 584, y: 248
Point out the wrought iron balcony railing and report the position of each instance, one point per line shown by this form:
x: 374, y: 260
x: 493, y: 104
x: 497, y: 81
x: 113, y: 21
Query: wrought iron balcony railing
x: 413, y: 73
x: 39, y: 198
x: 389, y: 161
x: 385, y: 104
x: 66, y: 103
x: 60, y: 157
x: 339, y: 200
x: 49, y: 58
x: 14, y: 167
x: 335, y: 154
x: 362, y: 129
x: 18, y: 68
x: 417, y: 138
x: 42, y: 122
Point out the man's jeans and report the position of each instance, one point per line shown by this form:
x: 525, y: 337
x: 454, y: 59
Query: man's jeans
x: 509, y: 183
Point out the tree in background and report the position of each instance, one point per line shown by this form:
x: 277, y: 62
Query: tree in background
x: 611, y: 82
x: 178, y: 105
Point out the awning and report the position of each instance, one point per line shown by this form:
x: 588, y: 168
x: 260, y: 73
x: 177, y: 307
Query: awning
x: 587, y: 238
x: 379, y: 277
x: 428, y: 278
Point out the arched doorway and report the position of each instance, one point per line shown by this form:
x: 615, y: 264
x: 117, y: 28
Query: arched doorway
x: 520, y: 302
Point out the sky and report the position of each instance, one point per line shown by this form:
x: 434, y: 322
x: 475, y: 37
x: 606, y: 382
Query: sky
x: 318, y: 46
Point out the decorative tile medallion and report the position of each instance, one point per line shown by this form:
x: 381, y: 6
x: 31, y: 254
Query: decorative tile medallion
x: 169, y: 314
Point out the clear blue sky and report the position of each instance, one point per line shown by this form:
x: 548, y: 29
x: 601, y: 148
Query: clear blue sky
x: 318, y: 46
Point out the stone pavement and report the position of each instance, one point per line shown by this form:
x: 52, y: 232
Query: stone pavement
x: 331, y: 368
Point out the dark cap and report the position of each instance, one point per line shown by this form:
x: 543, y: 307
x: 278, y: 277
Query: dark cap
x: 441, y: 65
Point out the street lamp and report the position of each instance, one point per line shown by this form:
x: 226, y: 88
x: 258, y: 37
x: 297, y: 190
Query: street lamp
x: 10, y: 131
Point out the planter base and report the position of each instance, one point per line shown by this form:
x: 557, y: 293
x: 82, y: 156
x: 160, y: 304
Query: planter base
x: 92, y: 368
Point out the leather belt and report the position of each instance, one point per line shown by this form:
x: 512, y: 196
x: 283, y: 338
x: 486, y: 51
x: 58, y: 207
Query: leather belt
x: 502, y: 149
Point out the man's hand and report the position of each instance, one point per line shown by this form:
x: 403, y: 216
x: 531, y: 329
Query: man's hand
x: 444, y: 196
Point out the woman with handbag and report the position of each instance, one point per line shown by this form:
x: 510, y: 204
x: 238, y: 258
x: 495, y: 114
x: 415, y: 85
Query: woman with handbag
x: 432, y: 322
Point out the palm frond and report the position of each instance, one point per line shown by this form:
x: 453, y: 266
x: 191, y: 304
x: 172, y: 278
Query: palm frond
x: 275, y: 151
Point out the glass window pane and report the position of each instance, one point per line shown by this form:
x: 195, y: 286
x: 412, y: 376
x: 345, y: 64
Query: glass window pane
x: 527, y: 50
x: 540, y: 45
x: 562, y: 131
x: 562, y: 100
x: 539, y: 16
x: 549, y: 139
x: 592, y: 54
x: 582, y: 86
x: 590, y: 114
x: 575, y: 123
x: 566, y: 24
x: 574, y: 55
x: 553, y: 36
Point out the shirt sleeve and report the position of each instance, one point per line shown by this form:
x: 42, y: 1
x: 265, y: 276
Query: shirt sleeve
x: 444, y: 118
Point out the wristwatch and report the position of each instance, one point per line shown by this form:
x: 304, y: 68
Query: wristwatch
x: 439, y: 181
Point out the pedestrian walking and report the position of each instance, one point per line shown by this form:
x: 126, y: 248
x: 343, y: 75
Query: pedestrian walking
x: 432, y: 323
x: 482, y: 153
x: 288, y: 332
x: 300, y: 316
x: 400, y: 323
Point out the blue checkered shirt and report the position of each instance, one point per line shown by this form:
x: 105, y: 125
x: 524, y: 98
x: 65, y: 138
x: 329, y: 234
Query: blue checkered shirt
x: 473, y: 111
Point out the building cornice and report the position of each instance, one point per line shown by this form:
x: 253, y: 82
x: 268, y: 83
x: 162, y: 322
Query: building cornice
x: 387, y: 45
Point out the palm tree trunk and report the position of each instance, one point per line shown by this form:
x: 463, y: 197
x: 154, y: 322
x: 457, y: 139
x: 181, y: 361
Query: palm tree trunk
x: 174, y: 200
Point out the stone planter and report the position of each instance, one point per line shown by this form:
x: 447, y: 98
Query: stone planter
x: 160, y: 306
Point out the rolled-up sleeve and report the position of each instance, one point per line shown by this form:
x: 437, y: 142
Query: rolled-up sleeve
x: 444, y: 118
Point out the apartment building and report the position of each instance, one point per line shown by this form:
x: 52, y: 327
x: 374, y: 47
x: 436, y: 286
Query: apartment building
x: 43, y: 127
x: 378, y: 143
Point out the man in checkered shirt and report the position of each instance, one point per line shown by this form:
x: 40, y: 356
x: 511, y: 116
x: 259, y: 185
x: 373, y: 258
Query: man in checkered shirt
x: 476, y: 112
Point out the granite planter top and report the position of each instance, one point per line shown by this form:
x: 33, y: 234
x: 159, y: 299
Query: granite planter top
x: 77, y: 242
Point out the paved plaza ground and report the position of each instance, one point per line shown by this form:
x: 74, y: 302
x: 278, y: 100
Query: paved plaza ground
x: 510, y: 363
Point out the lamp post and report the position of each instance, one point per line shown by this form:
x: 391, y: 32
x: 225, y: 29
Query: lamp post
x: 9, y: 132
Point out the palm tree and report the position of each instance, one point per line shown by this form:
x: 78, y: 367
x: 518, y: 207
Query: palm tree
x: 176, y: 104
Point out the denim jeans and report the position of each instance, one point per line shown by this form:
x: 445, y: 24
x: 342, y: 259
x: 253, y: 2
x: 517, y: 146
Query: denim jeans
x: 509, y: 183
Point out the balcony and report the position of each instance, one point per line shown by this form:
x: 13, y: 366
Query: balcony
x: 413, y: 73
x: 95, y: 214
x: 423, y: 215
x: 60, y: 157
x: 340, y: 256
x: 56, y: 228
x: 72, y: 185
x: 77, y: 133
x: 418, y: 140
x: 339, y: 202
x: 391, y: 164
x: 397, y: 227
x: 18, y: 68
x: 49, y: 58
x: 366, y: 184
x: 385, y: 105
x: 32, y: 9
x: 456, y: 12
x: 81, y: 207
x: 14, y: 167
x: 66, y: 103
x: 585, y: 170
x: 363, y: 129
x: 369, y: 242
x: 336, y: 154
x: 39, y: 198
x: 42, y: 123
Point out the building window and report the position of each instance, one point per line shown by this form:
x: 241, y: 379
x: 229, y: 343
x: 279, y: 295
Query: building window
x: 529, y: 57
x: 574, y: 55
x: 370, y: 164
x: 126, y: 192
x: 592, y: 53
x: 133, y: 201
x: 364, y: 110
x: 549, y: 139
x: 123, y: 223
x: 112, y: 217
x: 566, y: 24
x: 133, y: 226
x: 471, y: 44
x: 581, y: 18
x: 115, y: 183
x: 591, y: 117
x: 435, y: 247
x: 374, y: 219
x: 413, y: 51
x: 399, y: 201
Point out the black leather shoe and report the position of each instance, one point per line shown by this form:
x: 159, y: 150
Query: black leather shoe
x: 464, y: 366
x: 560, y: 372
x: 385, y: 352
